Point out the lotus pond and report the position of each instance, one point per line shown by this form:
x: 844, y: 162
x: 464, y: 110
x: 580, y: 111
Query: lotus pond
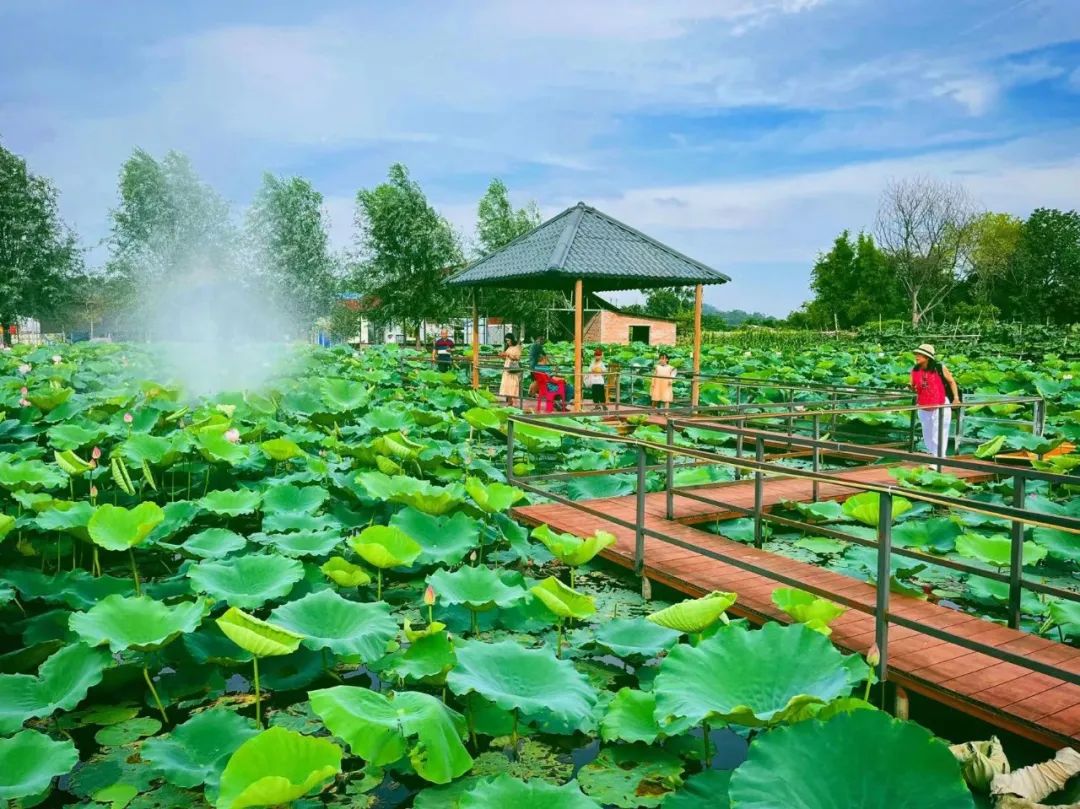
x: 313, y: 595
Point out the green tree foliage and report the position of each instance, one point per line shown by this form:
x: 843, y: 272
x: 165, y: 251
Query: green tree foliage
x: 1043, y: 280
x: 671, y: 302
x: 39, y: 256
x: 290, y: 247
x: 995, y: 237
x: 406, y: 250
x: 852, y: 284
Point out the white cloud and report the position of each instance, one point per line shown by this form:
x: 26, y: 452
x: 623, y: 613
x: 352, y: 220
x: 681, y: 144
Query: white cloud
x: 974, y: 94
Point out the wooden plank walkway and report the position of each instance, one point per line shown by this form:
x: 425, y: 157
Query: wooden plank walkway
x: 1038, y: 707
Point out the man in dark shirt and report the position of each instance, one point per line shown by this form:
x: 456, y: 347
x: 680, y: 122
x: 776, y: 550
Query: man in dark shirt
x: 536, y: 351
x: 443, y: 353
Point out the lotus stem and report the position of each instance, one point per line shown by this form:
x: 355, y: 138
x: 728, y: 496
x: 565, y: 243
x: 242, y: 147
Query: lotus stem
x: 475, y: 621
x: 96, y: 563
x: 514, y: 733
x: 572, y: 577
x: 866, y: 695
x: 472, y: 723
x: 154, y: 693
x: 206, y: 481
x: 705, y: 742
x: 378, y: 590
x: 258, y: 692
x: 558, y: 647
x: 429, y: 613
x: 135, y: 572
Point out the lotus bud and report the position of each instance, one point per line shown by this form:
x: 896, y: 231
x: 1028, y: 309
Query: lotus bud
x: 93, y: 491
x: 24, y: 403
x: 232, y: 436
x: 128, y: 418
x: 429, y: 596
x: 873, y: 656
x: 95, y: 453
x: 57, y: 359
x: 23, y: 391
x: 25, y: 368
x: 92, y: 463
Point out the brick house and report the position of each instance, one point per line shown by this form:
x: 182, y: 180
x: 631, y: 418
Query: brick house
x: 611, y: 325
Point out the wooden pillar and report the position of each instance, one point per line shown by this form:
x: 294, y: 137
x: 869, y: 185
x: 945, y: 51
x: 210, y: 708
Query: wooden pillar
x: 695, y: 385
x: 475, y: 341
x: 578, y: 337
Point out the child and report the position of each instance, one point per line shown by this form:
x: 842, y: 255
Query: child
x: 595, y: 380
x: 663, y: 374
x: 556, y: 384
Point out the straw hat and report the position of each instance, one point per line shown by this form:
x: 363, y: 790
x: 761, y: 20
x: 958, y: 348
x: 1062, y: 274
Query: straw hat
x: 926, y: 350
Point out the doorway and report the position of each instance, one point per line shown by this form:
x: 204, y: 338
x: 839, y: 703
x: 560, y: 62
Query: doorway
x: 639, y: 334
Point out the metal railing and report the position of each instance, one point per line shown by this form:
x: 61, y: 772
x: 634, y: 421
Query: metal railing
x: 762, y: 465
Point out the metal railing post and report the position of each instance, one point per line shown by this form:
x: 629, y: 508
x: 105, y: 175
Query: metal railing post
x: 960, y: 409
x: 739, y: 447
x: 884, y: 576
x: 759, y: 490
x: 816, y: 456
x: 942, y: 435
x: 618, y: 389
x: 509, y: 450
x: 911, y: 430
x: 670, y: 469
x: 1016, y: 555
x: 1039, y: 424
x: 639, y: 521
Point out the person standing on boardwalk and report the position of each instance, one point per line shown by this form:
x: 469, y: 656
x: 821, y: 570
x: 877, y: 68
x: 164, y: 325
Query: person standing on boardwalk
x: 510, y: 386
x: 935, y: 393
x: 444, y: 351
x: 661, y: 389
x: 595, y: 380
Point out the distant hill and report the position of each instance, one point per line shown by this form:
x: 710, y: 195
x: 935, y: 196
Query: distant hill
x: 732, y: 317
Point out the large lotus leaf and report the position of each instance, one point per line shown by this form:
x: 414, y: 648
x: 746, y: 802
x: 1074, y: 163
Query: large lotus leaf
x: 116, y: 528
x: 807, y: 608
x: 923, y: 477
x: 444, y: 540
x: 261, y: 638
x: 384, y: 728
x: 281, y: 449
x: 178, y: 515
x: 30, y: 476
x: 213, y: 543
x: 1060, y: 545
x: 136, y: 622
x: 483, y: 418
x: 408, y: 491
x: 694, y: 615
x: 428, y: 657
x: 572, y: 550
x: 937, y: 535
x: 563, y: 601
x: 825, y: 546
x: 531, y: 681
x: 502, y: 791
x: 231, y: 502
x: 276, y: 767
x: 479, y: 587
x: 196, y: 751
x: 826, y: 511
x: 863, y: 758
x: 631, y: 717
x: 301, y: 543
x: 635, y: 637
x: 385, y: 546
x: 326, y: 620
x: 988, y: 591
x: 6, y: 524
x: 214, y: 446
x: 63, y: 516
x: 1065, y: 615
x: 280, y: 521
x: 139, y: 447
x: 61, y: 684
x: 865, y: 506
x: 294, y: 499
x: 247, y: 581
x: 753, y: 678
x: 631, y: 776
x: 344, y: 573
x: 72, y: 435
x: 492, y: 497
x: 73, y: 588
x: 996, y: 550
x: 30, y: 761
x: 708, y: 788
x: 342, y: 395
x: 535, y: 439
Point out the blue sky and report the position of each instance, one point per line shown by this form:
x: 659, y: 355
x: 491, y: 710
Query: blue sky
x: 746, y: 133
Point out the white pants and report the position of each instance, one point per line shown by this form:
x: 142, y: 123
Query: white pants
x: 929, y: 419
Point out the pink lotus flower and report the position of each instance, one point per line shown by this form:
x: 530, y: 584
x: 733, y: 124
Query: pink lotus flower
x: 93, y: 491
x: 57, y: 359
x: 128, y: 418
x: 429, y: 595
x: 24, y: 403
x: 25, y: 368
x: 23, y: 390
x: 95, y: 453
x: 232, y: 436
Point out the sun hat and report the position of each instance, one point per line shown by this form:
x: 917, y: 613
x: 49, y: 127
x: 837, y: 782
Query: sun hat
x: 926, y: 350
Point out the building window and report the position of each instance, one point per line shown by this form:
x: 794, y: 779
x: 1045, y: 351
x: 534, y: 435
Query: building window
x: 639, y: 334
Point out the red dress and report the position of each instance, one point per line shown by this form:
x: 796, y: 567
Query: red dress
x: 929, y: 388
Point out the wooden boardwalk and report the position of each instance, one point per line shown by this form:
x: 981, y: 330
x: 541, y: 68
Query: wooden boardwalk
x: 1038, y: 707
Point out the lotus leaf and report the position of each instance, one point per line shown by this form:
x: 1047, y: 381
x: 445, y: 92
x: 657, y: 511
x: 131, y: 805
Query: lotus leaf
x: 73, y: 435
x: 127, y: 731
x: 276, y: 767
x: 343, y: 395
x: 61, y: 684
x: 382, y: 729
x: 562, y: 600
x: 694, y: 616
x: 768, y: 675
x: 344, y: 573
x: 825, y: 546
x: 444, y: 540
x: 213, y: 543
x: 991, y: 447
x: 937, y: 535
x: 408, y: 491
x: 116, y: 528
x: 982, y: 590
x: 231, y: 502
x: 478, y: 587
x: 30, y: 476
x: 531, y: 681
x: 280, y: 449
x: 385, y: 546
x: 865, y: 507
x: 326, y: 620
x: 482, y: 418
x: 294, y: 499
x: 213, y: 445
x: 923, y: 477
x: 428, y: 658
x: 1065, y: 615
x: 247, y: 581
x: 492, y: 497
x: 826, y: 511
x: 806, y: 608
x: 31, y: 760
x: 996, y: 550
x: 631, y: 776
x: 572, y: 550
x: 196, y: 751
x: 851, y: 760
x: 71, y: 463
x: 503, y: 791
x: 708, y: 788
x: 261, y: 638
x: 295, y: 544
x: 598, y: 487
x: 136, y: 622
x: 1060, y: 545
x: 6, y: 524
x: 631, y: 717
x: 635, y: 637
x: 74, y: 588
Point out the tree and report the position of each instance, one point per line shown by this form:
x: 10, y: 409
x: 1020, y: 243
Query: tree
x: 94, y: 298
x: 290, y: 247
x: 1043, y: 281
x: 406, y: 251
x: 498, y: 224
x: 852, y: 284
x: 669, y: 302
x: 994, y: 239
x: 925, y: 227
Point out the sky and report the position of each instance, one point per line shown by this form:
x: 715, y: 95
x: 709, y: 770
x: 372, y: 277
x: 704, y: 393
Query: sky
x: 745, y: 133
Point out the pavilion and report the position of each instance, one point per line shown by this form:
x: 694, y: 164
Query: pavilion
x: 587, y: 251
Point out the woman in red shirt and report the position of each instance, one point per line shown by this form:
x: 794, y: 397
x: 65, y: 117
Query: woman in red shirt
x: 928, y: 379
